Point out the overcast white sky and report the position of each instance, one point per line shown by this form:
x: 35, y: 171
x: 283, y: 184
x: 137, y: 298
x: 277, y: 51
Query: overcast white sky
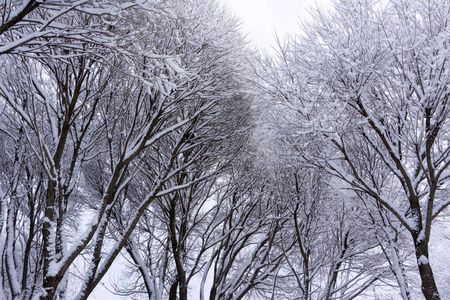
x: 262, y: 18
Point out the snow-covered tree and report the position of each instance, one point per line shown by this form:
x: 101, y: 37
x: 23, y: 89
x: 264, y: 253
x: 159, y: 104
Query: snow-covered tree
x: 330, y: 257
x: 96, y: 97
x: 368, y: 83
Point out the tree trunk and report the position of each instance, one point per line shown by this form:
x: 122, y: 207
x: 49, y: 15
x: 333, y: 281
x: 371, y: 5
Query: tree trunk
x: 183, y: 292
x: 50, y: 283
x: 173, y: 290
x: 429, y: 288
x: 212, y: 293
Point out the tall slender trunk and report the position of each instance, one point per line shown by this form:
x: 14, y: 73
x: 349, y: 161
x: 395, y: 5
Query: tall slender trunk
x: 398, y: 270
x: 173, y: 290
x: 50, y: 282
x: 212, y: 293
